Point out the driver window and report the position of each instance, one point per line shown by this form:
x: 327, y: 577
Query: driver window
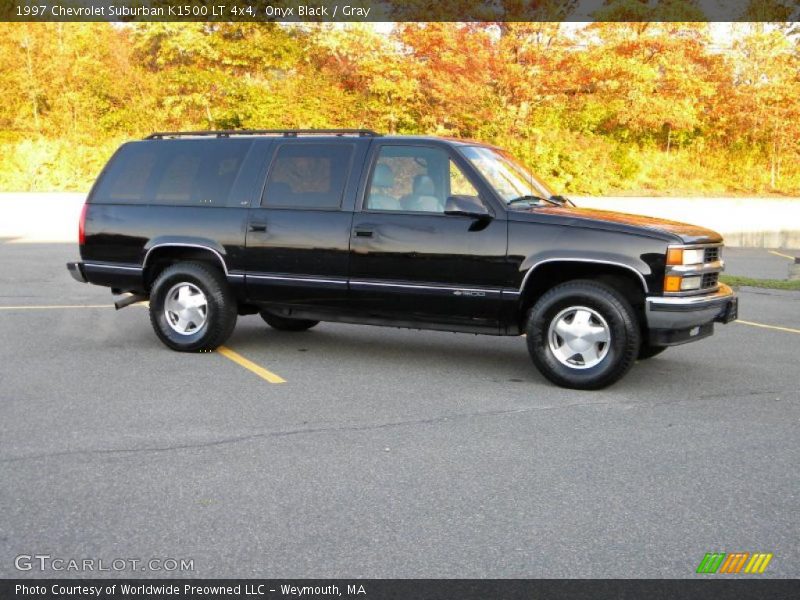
x: 459, y: 184
x: 409, y: 179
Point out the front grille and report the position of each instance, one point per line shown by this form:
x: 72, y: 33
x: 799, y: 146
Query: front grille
x: 710, y: 280
x: 712, y: 254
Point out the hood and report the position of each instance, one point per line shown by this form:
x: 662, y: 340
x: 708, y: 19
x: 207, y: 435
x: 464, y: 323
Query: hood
x: 688, y: 234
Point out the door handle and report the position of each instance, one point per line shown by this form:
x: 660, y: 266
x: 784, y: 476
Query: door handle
x: 258, y: 227
x: 366, y: 233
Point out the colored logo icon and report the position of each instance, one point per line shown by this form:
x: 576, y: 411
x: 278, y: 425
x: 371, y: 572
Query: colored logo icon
x: 736, y: 562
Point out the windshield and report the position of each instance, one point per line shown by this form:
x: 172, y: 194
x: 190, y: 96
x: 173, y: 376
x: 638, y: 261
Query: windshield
x: 509, y: 178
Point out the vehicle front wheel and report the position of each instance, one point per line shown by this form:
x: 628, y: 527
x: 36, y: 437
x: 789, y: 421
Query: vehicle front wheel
x: 287, y: 324
x: 647, y: 351
x: 583, y: 335
x: 192, y: 308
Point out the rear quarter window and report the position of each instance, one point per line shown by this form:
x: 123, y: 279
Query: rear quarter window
x: 173, y: 172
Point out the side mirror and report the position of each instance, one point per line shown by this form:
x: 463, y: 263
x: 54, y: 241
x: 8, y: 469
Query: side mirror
x: 466, y: 206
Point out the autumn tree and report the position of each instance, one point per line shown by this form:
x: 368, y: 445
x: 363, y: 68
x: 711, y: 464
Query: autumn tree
x: 594, y: 108
x: 761, y: 108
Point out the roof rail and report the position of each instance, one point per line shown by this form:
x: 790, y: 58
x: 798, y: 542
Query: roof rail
x: 160, y: 135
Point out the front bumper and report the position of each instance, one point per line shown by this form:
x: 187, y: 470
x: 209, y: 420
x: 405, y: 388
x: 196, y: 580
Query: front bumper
x: 76, y: 270
x: 677, y: 320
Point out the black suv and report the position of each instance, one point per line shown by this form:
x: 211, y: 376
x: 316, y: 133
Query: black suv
x: 347, y: 225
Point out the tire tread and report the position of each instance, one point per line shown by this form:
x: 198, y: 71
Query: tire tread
x: 219, y: 328
x: 593, y: 290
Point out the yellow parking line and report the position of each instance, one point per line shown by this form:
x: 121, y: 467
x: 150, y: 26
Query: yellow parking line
x: 143, y: 304
x: 224, y: 351
x: 250, y: 365
x: 781, y: 254
x: 55, y: 306
x: 787, y: 329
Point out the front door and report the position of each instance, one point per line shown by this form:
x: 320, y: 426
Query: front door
x: 412, y: 263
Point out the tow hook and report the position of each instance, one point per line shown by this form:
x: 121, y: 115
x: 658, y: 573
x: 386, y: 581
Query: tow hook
x: 128, y: 299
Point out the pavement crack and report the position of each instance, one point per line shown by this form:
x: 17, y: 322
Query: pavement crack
x: 299, y: 431
x: 742, y: 393
x: 378, y: 426
x: 776, y: 395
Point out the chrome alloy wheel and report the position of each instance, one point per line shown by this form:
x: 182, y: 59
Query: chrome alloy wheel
x: 579, y: 337
x: 185, y: 308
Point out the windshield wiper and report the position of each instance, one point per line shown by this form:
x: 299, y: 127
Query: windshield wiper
x: 530, y: 199
x: 562, y: 200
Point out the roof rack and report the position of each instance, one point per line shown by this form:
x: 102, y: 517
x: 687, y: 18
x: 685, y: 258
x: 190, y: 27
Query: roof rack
x: 160, y: 135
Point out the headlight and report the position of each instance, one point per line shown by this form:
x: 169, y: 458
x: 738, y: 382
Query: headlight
x: 691, y: 283
x: 683, y: 256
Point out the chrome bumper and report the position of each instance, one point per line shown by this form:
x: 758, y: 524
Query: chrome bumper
x: 670, y: 313
x: 76, y: 270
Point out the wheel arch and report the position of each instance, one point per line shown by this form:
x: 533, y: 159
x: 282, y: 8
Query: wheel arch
x: 548, y: 273
x: 160, y: 253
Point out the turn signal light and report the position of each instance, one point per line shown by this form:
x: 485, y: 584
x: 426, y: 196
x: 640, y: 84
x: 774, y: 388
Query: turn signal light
x: 672, y: 283
x: 675, y: 256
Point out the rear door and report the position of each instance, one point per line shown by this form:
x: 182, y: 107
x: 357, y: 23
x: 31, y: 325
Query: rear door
x: 298, y: 233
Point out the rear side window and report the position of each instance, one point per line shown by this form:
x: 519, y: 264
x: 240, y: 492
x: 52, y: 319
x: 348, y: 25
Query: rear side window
x: 306, y: 175
x: 173, y: 172
x: 125, y: 179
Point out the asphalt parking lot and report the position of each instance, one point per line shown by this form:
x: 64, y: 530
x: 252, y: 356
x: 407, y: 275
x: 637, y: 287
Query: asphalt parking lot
x: 386, y: 453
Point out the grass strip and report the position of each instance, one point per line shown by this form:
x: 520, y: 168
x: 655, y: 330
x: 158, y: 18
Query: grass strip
x: 772, y: 284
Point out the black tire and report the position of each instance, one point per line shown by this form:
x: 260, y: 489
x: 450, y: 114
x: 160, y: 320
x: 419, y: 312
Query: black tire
x: 285, y: 323
x: 220, y: 311
x: 647, y: 351
x: 611, y: 315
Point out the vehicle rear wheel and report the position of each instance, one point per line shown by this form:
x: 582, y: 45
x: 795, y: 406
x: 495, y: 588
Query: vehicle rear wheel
x: 647, y: 351
x: 583, y: 335
x: 192, y: 308
x: 285, y: 323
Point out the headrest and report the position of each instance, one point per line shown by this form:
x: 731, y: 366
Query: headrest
x: 423, y: 186
x: 383, y: 176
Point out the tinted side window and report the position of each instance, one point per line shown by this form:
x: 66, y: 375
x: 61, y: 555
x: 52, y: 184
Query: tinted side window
x: 125, y: 179
x: 199, y: 172
x: 308, y: 175
x: 173, y: 172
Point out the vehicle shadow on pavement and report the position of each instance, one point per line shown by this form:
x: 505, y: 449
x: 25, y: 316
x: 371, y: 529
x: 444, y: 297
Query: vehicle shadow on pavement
x: 400, y: 347
x: 417, y: 353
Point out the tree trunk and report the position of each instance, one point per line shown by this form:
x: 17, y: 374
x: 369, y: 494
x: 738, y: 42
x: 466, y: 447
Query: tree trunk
x: 31, y: 82
x: 209, y: 118
x: 772, y: 168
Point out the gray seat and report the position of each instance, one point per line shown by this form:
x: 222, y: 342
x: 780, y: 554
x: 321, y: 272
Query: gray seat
x: 382, y: 180
x: 423, y: 196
